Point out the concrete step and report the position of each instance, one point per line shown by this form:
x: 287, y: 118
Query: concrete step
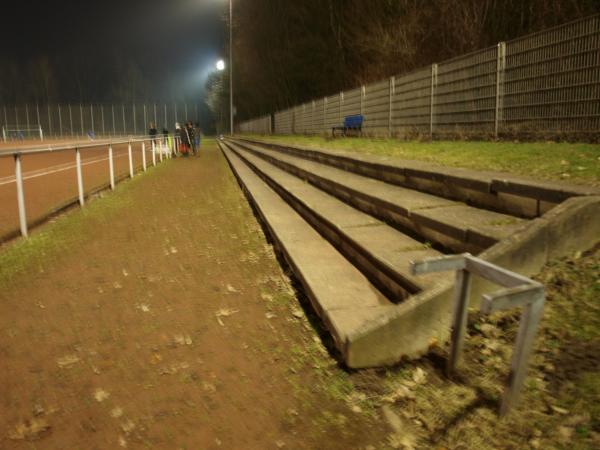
x: 454, y: 225
x: 503, y: 192
x: 342, y: 296
x: 381, y: 252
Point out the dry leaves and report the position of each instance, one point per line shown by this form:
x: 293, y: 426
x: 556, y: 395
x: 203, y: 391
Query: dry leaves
x: 224, y: 312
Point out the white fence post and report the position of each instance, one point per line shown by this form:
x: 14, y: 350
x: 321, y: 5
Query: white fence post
x: 153, y: 153
x: 130, y: 160
x: 79, y: 176
x: 500, y: 65
x: 111, y: 167
x: 20, y: 196
x: 60, y: 124
x: 144, y: 155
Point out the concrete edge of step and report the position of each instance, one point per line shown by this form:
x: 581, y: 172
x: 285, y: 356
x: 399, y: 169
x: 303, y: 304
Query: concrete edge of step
x: 482, y: 181
x: 424, y: 319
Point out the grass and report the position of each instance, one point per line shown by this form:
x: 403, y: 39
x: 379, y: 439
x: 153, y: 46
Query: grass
x: 573, y: 162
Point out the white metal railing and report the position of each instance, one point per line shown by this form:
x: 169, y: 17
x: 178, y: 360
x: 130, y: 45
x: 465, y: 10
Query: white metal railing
x: 160, y: 144
x: 518, y: 291
x: 547, y: 83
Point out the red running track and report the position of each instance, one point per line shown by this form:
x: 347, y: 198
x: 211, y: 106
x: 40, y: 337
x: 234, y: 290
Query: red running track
x: 50, y: 179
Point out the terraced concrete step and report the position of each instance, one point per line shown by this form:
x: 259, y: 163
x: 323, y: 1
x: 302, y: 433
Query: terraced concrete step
x: 342, y: 296
x: 378, y: 250
x: 457, y: 226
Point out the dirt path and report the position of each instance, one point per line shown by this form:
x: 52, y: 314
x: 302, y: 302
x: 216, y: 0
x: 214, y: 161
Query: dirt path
x: 160, y: 318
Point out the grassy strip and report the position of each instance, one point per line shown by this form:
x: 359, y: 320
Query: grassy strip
x: 577, y: 163
x: 55, y: 238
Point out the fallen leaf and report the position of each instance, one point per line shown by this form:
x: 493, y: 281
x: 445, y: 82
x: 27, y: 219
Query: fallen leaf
x: 100, y: 395
x: 30, y: 430
x: 67, y: 360
x: 419, y: 375
x: 224, y: 312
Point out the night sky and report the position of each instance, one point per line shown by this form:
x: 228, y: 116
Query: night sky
x: 174, y: 43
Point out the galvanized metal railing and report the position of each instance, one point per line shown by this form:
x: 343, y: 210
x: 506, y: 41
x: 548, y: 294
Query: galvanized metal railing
x: 157, y: 143
x: 544, y: 84
x: 518, y: 291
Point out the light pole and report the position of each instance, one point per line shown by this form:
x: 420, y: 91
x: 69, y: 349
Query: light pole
x: 231, y: 66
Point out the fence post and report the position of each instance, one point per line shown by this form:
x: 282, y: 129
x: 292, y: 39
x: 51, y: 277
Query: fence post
x: 145, y: 118
x: 37, y: 111
x: 27, y: 117
x: 111, y: 167
x: 325, y: 114
x: 20, y: 196
x: 363, y: 92
x: 60, y: 126
x: 79, y: 176
x: 130, y: 159
x: 124, y: 125
x: 500, y: 65
x: 71, y: 119
x: 340, y: 105
x: 49, y: 122
x: 112, y: 108
x: 92, y: 117
x: 392, y: 88
x: 160, y: 153
x: 153, y: 153
x: 144, y: 155
x: 434, y: 70
x: 102, y: 117
x: 134, y: 121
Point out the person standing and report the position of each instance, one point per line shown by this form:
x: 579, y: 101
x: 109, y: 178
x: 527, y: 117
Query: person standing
x: 152, y: 132
x: 190, y: 134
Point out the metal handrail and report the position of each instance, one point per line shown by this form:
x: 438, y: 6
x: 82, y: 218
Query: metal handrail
x: 78, y: 145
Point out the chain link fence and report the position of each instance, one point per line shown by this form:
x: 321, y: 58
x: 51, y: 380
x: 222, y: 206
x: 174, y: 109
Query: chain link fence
x: 57, y: 120
x: 542, y: 85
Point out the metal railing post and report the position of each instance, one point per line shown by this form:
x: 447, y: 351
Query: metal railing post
x: 130, y: 160
x: 153, y: 153
x: 79, y: 177
x: 111, y: 167
x: 518, y: 291
x: 20, y: 196
x: 144, y: 155
x: 160, y: 152
x: 462, y: 290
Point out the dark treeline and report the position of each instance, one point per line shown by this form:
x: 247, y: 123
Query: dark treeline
x: 287, y: 52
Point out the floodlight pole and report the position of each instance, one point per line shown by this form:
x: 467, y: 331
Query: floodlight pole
x: 231, y: 67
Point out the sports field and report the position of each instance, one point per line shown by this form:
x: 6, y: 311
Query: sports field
x: 50, y: 178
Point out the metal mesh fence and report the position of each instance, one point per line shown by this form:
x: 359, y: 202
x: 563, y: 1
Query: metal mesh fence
x: 116, y: 119
x: 545, y: 84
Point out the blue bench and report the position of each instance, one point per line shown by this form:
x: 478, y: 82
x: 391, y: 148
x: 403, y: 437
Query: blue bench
x: 350, y: 123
